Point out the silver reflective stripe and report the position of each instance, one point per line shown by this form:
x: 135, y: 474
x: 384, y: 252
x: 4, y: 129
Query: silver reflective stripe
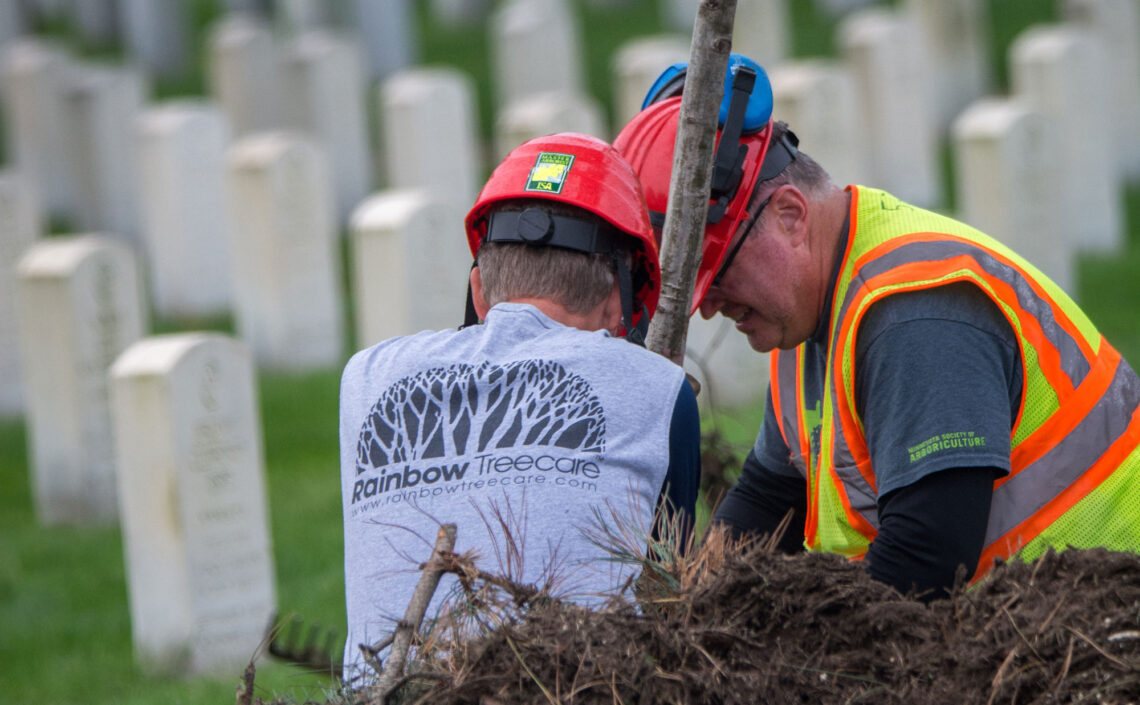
x: 860, y: 495
x: 789, y: 407
x: 1073, y: 361
x: 1042, y: 480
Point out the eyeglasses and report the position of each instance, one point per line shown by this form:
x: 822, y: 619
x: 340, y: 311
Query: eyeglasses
x: 736, y: 248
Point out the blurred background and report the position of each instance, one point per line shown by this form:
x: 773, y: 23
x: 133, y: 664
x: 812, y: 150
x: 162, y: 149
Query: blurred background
x: 294, y: 173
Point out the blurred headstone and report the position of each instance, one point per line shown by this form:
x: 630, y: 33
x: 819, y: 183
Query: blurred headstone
x: 637, y: 64
x: 954, y: 36
x: 545, y: 114
x: 260, y: 8
x: 731, y: 373
x: 1063, y: 73
x: 324, y: 88
x: 191, y: 474
x: 33, y: 75
x: 20, y: 227
x: 287, y: 271
x: 761, y: 30
x: 817, y: 98
x: 13, y: 20
x: 430, y: 130
x: 1007, y: 165
x: 1117, y: 23
x: 839, y: 8
x: 244, y: 73
x: 453, y: 14
x: 388, y: 31
x: 157, y: 34
x: 679, y: 15
x: 181, y: 146
x: 535, y: 49
x: 880, y: 48
x: 95, y: 21
x: 296, y: 16
x: 410, y: 268
x: 80, y: 305
x: 100, y: 106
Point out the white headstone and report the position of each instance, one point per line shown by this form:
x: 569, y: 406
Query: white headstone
x: 33, y: 74
x: 535, y: 49
x: 637, y: 64
x: 181, y: 146
x: 431, y: 133
x: 731, y: 373
x: 324, y: 88
x: 954, y: 36
x: 101, y: 104
x: 410, y: 264
x: 1117, y: 24
x: 20, y: 226
x: 13, y: 22
x: 1007, y: 186
x: 80, y: 306
x: 1062, y: 72
x: 244, y: 72
x: 156, y: 34
x: 545, y: 114
x: 817, y: 98
x: 881, y: 50
x: 761, y: 30
x: 287, y: 272
x: 193, y: 504
x: 95, y: 21
x: 300, y: 15
x: 388, y: 32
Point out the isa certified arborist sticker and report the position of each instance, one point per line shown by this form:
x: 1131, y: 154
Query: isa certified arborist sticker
x: 549, y: 172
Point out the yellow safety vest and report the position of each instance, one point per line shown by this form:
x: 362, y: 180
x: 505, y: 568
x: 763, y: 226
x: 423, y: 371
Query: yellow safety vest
x: 1075, y: 464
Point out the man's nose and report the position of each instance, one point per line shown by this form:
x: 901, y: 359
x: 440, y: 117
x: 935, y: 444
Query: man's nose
x: 710, y: 304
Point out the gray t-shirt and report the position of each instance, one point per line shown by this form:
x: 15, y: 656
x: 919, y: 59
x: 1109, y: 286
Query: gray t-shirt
x: 520, y: 428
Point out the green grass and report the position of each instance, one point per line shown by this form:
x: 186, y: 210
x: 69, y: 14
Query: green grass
x: 64, y: 622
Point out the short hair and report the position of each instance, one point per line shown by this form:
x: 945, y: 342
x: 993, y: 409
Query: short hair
x: 577, y: 281
x: 803, y: 172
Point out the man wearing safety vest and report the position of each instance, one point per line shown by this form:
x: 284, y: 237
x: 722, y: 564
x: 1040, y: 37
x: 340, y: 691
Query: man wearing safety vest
x: 935, y: 401
x: 529, y: 429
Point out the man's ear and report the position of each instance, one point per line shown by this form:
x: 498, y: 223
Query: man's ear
x: 790, y: 208
x: 477, y: 298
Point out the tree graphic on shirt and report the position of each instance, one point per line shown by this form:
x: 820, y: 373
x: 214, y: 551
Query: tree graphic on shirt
x: 467, y: 409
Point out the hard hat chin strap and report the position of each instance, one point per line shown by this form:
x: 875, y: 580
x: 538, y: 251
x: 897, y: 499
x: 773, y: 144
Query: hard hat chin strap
x: 634, y: 334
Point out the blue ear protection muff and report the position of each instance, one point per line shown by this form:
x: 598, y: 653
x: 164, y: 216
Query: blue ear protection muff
x: 757, y: 109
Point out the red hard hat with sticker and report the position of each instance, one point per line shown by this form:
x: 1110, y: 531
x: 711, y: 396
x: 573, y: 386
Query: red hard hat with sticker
x: 577, y: 170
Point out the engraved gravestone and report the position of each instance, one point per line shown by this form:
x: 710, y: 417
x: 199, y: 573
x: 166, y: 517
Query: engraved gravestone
x: 101, y: 103
x: 808, y: 94
x: 534, y: 49
x: 545, y: 114
x: 324, y: 87
x: 20, y: 225
x: 880, y: 48
x: 286, y: 257
x: 79, y: 307
x: 243, y: 69
x: 637, y: 64
x: 955, y: 40
x: 1061, y: 71
x: 430, y: 129
x: 192, y: 492
x: 1007, y: 183
x: 181, y: 146
x: 409, y: 269
x: 33, y: 74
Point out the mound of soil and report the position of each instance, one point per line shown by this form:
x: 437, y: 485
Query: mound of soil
x: 815, y: 628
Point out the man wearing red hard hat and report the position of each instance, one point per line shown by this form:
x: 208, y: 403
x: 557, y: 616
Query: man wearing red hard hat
x: 542, y: 416
x: 935, y: 402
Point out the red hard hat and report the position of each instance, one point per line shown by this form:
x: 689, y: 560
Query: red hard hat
x: 583, y: 171
x: 647, y: 141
